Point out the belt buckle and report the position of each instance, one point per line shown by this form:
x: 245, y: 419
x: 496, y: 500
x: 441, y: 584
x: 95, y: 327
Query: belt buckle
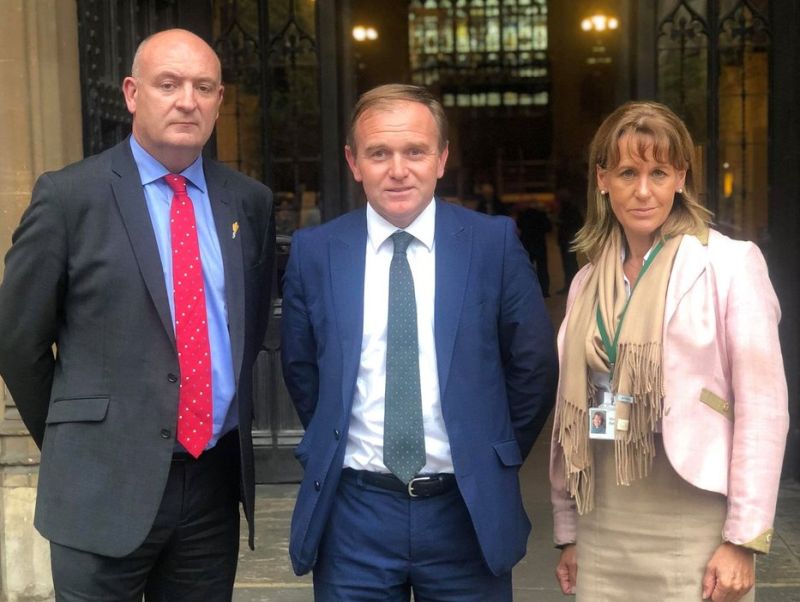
x: 411, y: 485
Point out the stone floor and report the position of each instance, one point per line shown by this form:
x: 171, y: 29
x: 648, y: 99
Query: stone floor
x: 266, y: 576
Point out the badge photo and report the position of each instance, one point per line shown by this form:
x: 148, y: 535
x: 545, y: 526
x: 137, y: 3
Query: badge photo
x: 601, y: 422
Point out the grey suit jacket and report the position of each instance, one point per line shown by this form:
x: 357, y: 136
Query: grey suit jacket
x: 84, y: 275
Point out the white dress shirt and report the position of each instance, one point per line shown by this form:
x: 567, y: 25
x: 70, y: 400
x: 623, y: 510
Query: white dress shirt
x: 365, y: 438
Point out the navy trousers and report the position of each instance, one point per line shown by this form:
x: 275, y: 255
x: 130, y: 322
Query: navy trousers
x: 380, y: 545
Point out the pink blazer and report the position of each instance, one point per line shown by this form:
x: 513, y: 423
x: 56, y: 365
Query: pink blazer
x: 725, y: 404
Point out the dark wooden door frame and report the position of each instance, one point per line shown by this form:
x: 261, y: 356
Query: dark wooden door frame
x: 784, y: 203
x: 783, y: 252
x: 109, y: 33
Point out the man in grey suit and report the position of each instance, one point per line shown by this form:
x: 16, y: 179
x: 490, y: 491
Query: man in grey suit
x: 135, y: 299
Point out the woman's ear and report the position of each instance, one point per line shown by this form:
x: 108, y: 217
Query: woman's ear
x: 681, y: 182
x: 601, y: 179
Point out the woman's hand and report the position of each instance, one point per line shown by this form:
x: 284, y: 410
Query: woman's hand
x: 729, y: 574
x: 567, y: 569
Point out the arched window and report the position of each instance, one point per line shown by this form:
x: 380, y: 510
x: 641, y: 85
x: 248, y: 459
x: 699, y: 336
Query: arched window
x: 481, y: 52
x: 714, y: 70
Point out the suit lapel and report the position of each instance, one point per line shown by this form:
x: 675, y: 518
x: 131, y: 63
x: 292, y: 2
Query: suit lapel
x: 129, y: 196
x: 690, y: 263
x: 347, y: 254
x: 453, y: 256
x: 224, y: 209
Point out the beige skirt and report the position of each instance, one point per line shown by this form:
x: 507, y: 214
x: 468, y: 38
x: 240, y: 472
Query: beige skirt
x: 649, y: 541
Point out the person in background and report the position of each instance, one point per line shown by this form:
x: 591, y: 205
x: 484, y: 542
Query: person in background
x: 674, y: 328
x: 533, y: 226
x: 135, y: 300
x: 420, y: 358
x: 570, y: 221
x: 488, y: 202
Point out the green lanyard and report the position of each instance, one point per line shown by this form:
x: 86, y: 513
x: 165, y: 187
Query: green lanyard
x: 611, y: 348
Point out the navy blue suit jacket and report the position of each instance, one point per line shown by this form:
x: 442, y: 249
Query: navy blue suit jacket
x: 496, y: 360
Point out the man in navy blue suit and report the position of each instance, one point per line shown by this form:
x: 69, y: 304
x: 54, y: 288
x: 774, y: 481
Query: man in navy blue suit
x: 421, y: 360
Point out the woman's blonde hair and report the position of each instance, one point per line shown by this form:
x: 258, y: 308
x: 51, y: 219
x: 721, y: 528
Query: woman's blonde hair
x: 648, y: 125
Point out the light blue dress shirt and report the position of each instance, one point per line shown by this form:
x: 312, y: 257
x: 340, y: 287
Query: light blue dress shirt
x: 158, y: 196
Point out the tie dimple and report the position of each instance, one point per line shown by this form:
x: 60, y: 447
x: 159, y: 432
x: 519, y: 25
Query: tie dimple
x: 191, y: 327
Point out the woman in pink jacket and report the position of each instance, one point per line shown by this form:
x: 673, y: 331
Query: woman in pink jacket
x: 671, y: 332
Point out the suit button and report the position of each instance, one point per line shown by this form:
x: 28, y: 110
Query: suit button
x: 317, y: 485
x: 166, y: 433
x: 336, y: 434
x: 172, y: 378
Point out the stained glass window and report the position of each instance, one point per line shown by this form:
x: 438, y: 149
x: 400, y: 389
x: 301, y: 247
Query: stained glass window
x: 481, y: 52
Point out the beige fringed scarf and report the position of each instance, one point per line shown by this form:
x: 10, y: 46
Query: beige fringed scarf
x: 638, y: 370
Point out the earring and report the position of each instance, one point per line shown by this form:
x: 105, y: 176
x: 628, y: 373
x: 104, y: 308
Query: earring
x: 679, y: 191
x: 604, y: 192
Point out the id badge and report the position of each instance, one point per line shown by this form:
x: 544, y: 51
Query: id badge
x: 622, y: 405
x: 603, y: 418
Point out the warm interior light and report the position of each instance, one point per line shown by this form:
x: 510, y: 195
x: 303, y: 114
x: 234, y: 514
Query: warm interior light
x: 363, y: 33
x: 599, y: 22
x: 727, y: 180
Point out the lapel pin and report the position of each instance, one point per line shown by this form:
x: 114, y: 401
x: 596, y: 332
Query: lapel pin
x: 234, y: 229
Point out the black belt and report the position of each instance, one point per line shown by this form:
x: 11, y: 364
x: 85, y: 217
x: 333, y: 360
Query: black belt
x: 427, y: 485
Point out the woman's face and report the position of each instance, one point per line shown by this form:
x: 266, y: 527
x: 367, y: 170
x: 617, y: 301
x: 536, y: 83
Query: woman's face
x: 597, y: 420
x: 641, y: 191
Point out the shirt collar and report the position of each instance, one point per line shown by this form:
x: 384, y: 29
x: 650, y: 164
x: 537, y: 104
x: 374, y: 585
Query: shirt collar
x: 623, y: 252
x: 422, y: 228
x: 151, y: 170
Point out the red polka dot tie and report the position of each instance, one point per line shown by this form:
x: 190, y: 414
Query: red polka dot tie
x: 191, y: 328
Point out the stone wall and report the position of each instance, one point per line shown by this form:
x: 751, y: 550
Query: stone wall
x: 40, y: 121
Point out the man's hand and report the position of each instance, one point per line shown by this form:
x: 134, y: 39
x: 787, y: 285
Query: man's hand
x: 729, y: 575
x: 567, y: 569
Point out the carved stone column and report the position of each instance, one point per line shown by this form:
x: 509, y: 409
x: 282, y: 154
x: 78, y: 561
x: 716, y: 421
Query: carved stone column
x: 40, y: 118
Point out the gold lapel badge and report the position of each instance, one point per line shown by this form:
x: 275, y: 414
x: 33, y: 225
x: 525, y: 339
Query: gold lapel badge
x: 234, y: 229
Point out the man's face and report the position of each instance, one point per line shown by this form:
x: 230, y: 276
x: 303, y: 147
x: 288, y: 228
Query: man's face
x: 174, y: 96
x: 397, y: 159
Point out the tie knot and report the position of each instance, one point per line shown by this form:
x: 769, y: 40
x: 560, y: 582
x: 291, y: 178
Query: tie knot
x: 176, y: 182
x: 401, y: 241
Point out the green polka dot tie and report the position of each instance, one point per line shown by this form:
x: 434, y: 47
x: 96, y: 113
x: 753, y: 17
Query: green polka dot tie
x: 403, y: 435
